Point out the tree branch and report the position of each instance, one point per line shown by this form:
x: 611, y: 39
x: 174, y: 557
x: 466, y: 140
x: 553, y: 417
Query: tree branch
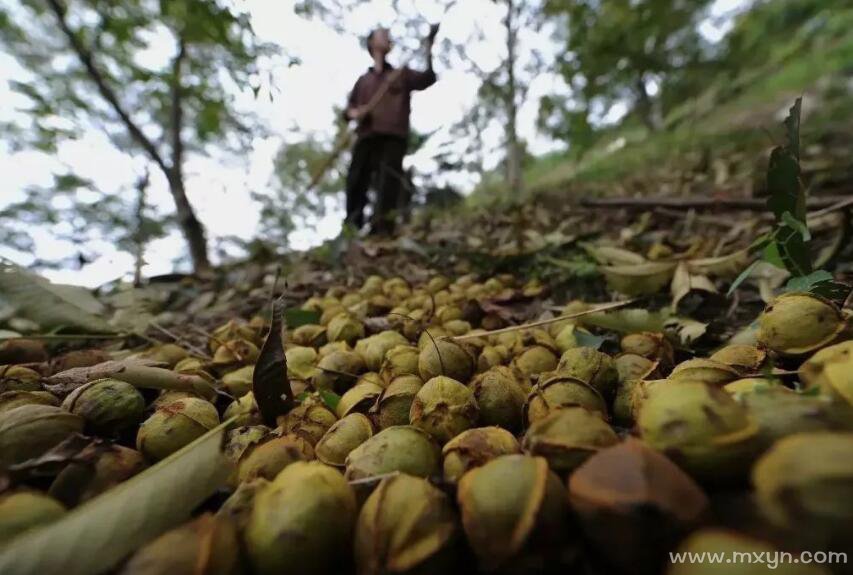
x: 178, y: 110
x: 87, y: 59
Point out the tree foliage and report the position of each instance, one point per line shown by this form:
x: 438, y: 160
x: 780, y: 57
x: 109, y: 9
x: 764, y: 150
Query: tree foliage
x: 291, y: 203
x: 159, y: 78
x: 614, y: 50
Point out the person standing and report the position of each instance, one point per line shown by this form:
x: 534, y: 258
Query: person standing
x: 380, y: 102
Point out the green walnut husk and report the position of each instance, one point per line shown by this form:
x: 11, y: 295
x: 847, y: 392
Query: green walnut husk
x: 632, y: 494
x: 235, y: 352
x: 567, y: 437
x: 338, y: 371
x: 444, y: 408
x: 799, y: 323
x: 400, y: 360
x: 167, y: 396
x: 309, y: 420
x: 333, y: 347
x: 744, y: 358
x: 623, y: 410
x: 238, y: 507
x: 639, y: 279
x: 591, y: 366
x: 208, y: 544
x: 309, y: 335
x: 267, y: 457
x: 237, y: 441
x: 190, y: 365
x: 345, y: 327
x: 168, y: 353
x: 779, y: 412
x: 436, y: 284
x: 500, y: 396
x: 432, y: 334
x: 632, y: 366
x: 457, y: 327
x: 12, y: 399
x: 492, y: 356
x: 404, y: 448
x: 729, y: 544
x: 29, y: 431
x: 704, y: 371
x: 245, y: 410
x: 239, y: 382
x: 344, y: 436
x: 301, y: 362
x: 476, y: 447
x: 394, y: 403
x: 508, y: 503
x: 535, y: 360
x: 566, y: 338
x: 561, y: 391
x: 805, y: 483
x: 330, y: 312
x: 406, y: 525
x: 649, y: 344
x: 639, y: 391
x: 373, y: 349
x: 19, y: 378
x: 748, y: 385
x: 448, y: 358
x: 700, y: 427
x: 301, y: 521
x: 447, y: 313
x: 174, y: 426
x: 359, y: 399
x: 229, y: 331
x: 80, y: 481
x: 23, y: 510
x: 831, y: 371
x: 109, y: 406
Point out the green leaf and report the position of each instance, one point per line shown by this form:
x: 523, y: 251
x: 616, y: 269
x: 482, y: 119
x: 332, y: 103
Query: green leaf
x: 330, y: 398
x: 832, y: 290
x: 783, y: 172
x: 806, y: 283
x: 798, y: 225
x: 742, y: 277
x: 771, y: 255
x: 585, y: 339
x: 50, y: 305
x: 793, y: 250
x: 821, y: 283
x: 296, y: 317
x: 94, y: 537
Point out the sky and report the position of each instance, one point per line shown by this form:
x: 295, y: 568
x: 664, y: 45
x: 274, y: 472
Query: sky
x: 303, y: 104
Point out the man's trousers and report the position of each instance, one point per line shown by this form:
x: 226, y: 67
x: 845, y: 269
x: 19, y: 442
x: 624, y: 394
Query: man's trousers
x: 379, y: 158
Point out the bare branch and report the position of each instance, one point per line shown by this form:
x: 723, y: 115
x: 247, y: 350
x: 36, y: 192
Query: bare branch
x: 87, y: 59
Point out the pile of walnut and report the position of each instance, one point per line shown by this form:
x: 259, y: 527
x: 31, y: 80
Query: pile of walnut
x: 434, y: 446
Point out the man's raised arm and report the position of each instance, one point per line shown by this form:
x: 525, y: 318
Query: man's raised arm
x: 417, y: 80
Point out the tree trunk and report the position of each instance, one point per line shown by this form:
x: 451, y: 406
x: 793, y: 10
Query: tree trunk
x: 513, y: 149
x: 645, y: 108
x: 190, y: 226
x: 139, y: 231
